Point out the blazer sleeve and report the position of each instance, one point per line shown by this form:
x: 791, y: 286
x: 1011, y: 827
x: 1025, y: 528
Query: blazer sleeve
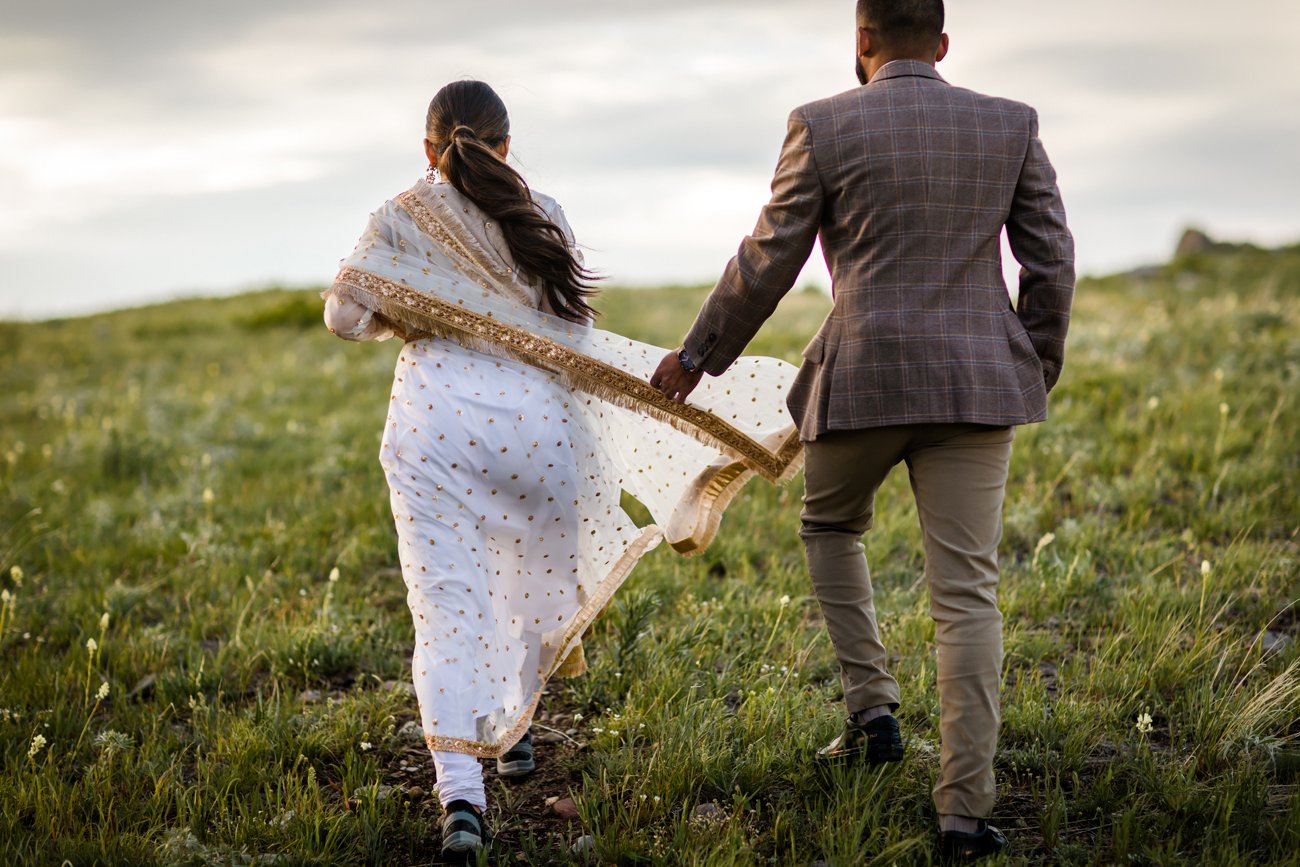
x: 769, y: 259
x: 1044, y: 247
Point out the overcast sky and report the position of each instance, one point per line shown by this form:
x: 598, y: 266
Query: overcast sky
x: 154, y: 149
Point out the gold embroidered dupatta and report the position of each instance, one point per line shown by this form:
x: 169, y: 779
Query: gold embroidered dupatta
x: 431, y: 264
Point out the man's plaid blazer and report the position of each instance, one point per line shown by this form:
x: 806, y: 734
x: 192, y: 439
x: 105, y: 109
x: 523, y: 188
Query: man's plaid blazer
x: 909, y: 182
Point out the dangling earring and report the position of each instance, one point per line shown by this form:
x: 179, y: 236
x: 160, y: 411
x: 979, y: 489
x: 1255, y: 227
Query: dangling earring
x: 432, y: 175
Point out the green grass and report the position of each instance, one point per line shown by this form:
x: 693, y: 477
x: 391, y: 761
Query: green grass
x: 178, y: 482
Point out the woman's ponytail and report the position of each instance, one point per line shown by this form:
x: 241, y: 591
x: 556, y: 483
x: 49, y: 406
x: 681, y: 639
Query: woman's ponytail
x: 466, y: 123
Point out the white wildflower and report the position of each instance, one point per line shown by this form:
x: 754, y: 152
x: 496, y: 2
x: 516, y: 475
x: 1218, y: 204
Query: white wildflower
x: 38, y: 744
x: 16, y: 573
x: 1223, y: 409
x: 103, y: 622
x: 91, y: 645
x: 1205, y: 568
x: 1144, y: 723
x: 103, y: 692
x: 784, y: 600
x: 5, y: 596
x: 334, y: 575
x: 1153, y: 403
x: 365, y: 746
x: 208, y: 496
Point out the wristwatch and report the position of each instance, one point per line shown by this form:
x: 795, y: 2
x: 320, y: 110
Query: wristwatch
x: 684, y: 359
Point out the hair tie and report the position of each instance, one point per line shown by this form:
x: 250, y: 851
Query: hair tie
x: 463, y: 128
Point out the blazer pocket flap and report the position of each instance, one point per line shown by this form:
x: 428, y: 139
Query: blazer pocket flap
x: 815, y: 351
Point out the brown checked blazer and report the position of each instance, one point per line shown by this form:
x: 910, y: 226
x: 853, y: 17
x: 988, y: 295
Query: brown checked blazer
x: 909, y: 182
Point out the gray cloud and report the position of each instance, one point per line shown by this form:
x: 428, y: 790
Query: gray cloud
x: 249, y: 139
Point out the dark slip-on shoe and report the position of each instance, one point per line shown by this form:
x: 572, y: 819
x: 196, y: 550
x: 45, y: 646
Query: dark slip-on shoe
x: 874, y: 743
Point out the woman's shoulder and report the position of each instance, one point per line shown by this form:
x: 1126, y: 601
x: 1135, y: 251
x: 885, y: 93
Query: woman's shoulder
x: 546, y: 203
x: 553, y: 212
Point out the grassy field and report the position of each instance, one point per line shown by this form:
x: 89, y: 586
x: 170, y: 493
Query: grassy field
x: 205, y: 643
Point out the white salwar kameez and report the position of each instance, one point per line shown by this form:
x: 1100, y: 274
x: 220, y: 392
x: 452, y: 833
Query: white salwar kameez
x: 508, y: 442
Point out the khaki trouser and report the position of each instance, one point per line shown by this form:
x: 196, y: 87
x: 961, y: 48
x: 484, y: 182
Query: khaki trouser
x: 958, y: 474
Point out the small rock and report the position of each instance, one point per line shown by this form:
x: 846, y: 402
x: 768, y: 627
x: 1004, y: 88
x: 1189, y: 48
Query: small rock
x: 307, y: 696
x: 551, y: 800
x: 399, y: 686
x: 547, y: 738
x: 383, y: 793
x: 583, y: 846
x: 709, y: 812
x: 571, y: 732
x: 565, y: 808
x: 412, y: 730
x: 415, y: 793
x: 1274, y: 641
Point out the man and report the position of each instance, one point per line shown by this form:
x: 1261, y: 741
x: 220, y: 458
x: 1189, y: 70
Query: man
x: 909, y: 181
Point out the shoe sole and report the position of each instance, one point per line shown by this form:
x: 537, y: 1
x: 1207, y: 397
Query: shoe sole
x: 519, y: 768
x: 825, y: 754
x: 462, y: 843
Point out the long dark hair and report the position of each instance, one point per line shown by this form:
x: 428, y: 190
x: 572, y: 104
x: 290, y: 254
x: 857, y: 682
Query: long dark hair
x: 466, y: 122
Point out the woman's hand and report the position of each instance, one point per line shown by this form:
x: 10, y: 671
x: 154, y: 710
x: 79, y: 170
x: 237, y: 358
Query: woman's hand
x: 675, y: 381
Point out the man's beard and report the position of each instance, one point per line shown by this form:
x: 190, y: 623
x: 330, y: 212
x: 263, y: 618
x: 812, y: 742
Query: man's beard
x: 859, y: 71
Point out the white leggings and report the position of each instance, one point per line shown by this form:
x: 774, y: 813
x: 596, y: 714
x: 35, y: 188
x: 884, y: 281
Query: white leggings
x: 460, y: 777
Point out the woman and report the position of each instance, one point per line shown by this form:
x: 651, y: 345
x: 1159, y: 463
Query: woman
x: 513, y: 427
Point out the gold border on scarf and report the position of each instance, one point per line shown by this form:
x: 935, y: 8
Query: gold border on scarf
x: 436, y: 316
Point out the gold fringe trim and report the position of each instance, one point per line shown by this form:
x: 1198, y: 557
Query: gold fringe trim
x: 480, y: 332
x: 709, y: 495
x: 648, y: 538
x: 575, y: 664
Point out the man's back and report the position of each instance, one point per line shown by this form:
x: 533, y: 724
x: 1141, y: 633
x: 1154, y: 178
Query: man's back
x: 909, y: 182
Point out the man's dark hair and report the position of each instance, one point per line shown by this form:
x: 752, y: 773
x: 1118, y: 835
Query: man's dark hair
x: 909, y: 25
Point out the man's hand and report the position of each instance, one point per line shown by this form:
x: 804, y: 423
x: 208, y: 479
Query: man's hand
x: 675, y: 381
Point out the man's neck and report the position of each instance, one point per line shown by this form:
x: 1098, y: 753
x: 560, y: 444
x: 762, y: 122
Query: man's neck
x: 875, y: 64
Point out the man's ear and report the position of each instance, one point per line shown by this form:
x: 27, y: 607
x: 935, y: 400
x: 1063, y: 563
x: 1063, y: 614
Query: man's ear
x: 864, y: 42
x: 940, y: 54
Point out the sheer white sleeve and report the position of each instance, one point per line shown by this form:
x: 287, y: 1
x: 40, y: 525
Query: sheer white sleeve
x: 351, y: 321
x: 347, y: 318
